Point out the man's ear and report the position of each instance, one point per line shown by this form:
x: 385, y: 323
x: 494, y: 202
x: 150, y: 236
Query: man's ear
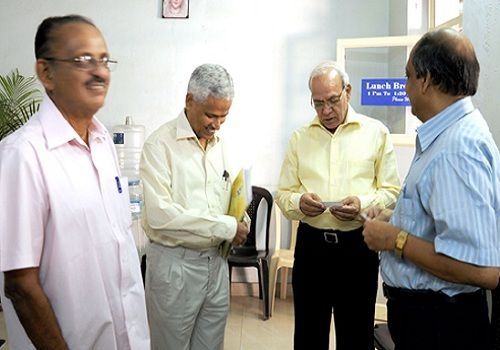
x: 45, y: 74
x: 426, y: 83
x: 348, y: 90
x: 189, y: 100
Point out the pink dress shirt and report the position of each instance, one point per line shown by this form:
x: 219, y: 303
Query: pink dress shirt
x: 64, y: 209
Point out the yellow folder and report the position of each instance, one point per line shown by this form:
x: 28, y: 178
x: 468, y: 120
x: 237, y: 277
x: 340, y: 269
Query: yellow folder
x: 241, y: 195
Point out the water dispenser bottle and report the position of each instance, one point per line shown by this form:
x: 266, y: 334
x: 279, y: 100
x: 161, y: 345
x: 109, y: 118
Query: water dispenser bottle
x: 136, y: 198
x: 128, y: 140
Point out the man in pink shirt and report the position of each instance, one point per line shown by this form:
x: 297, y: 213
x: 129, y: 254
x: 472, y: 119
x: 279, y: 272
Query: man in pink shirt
x: 70, y: 267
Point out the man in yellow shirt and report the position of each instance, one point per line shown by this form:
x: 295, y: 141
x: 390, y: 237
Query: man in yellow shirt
x: 335, y: 166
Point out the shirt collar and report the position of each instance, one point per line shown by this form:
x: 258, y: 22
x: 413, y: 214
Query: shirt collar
x: 58, y: 131
x: 431, y: 129
x: 185, y: 131
x: 351, y: 118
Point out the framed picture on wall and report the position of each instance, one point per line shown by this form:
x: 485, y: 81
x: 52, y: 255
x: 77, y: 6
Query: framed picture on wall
x: 175, y: 9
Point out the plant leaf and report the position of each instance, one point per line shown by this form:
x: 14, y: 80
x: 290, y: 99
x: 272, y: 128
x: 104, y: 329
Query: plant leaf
x: 20, y: 98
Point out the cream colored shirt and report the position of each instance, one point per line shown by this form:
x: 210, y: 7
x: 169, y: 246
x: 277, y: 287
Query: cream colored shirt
x: 186, y: 195
x: 357, y: 160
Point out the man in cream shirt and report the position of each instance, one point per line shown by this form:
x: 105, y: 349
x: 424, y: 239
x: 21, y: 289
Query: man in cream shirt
x: 187, y: 185
x: 346, y: 159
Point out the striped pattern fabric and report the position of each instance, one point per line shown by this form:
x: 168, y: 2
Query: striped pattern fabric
x: 451, y: 196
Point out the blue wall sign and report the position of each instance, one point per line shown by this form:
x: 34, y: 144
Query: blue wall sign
x: 384, y: 92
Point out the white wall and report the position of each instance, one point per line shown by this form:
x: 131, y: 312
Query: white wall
x: 268, y: 46
x: 482, y: 25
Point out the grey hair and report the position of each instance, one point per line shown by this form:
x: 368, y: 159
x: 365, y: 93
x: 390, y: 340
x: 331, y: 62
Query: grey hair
x: 325, y: 68
x: 211, y: 80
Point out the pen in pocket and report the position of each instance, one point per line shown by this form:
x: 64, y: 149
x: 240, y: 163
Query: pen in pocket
x: 225, y: 177
x: 118, y: 184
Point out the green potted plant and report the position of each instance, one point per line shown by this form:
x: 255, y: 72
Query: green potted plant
x: 20, y: 98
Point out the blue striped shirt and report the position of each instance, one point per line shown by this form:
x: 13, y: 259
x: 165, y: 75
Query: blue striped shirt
x: 450, y: 197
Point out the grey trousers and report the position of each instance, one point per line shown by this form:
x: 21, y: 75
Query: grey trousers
x: 187, y: 298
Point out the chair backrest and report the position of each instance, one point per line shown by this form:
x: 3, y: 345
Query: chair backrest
x: 259, y: 194
x: 294, y: 225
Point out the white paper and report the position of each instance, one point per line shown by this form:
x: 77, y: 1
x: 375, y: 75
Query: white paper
x: 332, y: 204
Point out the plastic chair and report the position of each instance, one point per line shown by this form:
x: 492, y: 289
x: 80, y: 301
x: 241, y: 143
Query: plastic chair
x: 281, y: 259
x: 248, y: 255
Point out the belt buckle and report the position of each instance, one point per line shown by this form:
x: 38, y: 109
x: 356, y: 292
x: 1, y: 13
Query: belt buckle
x: 331, y: 237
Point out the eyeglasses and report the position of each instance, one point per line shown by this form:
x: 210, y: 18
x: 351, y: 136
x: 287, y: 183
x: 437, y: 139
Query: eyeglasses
x: 87, y: 62
x: 331, y: 102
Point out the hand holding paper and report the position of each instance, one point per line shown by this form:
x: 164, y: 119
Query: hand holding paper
x: 349, y: 210
x: 241, y: 234
x: 311, y: 205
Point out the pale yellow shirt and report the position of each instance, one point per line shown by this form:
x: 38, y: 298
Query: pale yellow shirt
x: 357, y: 160
x: 186, y: 196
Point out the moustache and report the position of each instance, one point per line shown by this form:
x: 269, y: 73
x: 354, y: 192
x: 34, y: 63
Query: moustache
x: 95, y: 79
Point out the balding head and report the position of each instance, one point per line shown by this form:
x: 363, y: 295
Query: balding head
x: 449, y: 59
x: 45, y: 35
x: 329, y: 68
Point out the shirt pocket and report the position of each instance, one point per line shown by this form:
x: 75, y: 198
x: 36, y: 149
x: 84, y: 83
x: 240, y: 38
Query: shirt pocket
x: 224, y: 193
x: 221, y: 190
x: 361, y: 175
x: 122, y: 202
x: 404, y: 214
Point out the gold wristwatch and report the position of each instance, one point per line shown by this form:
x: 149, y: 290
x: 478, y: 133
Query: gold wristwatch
x: 401, y: 239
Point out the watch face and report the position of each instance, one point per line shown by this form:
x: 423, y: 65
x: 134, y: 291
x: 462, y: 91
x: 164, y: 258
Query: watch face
x: 400, y: 243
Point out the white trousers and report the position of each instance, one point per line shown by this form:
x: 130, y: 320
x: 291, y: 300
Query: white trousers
x: 187, y: 298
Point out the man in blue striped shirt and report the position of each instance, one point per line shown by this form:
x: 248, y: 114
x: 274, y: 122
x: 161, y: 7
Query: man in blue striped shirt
x: 441, y: 243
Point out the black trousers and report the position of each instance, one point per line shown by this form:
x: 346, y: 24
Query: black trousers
x: 333, y: 271
x: 495, y: 318
x: 423, y: 319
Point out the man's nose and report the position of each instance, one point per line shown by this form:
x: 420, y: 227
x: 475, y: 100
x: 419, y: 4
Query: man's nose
x: 326, y: 107
x: 101, y: 70
x: 216, y: 124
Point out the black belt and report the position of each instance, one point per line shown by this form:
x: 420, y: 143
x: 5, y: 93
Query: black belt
x: 429, y: 296
x: 333, y: 237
